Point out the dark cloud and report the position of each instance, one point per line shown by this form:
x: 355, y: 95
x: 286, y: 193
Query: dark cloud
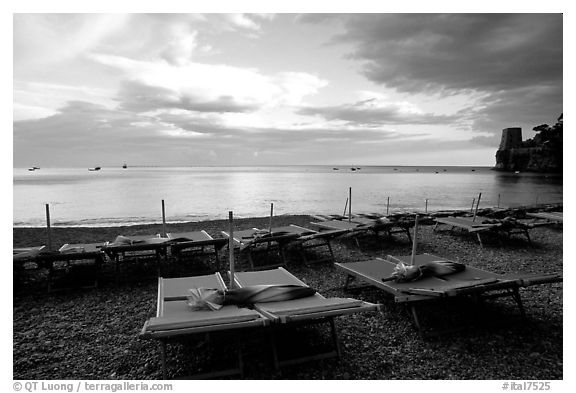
x: 139, y: 97
x: 88, y: 134
x: 513, y: 61
x: 524, y: 107
x: 364, y: 113
x: 486, y: 52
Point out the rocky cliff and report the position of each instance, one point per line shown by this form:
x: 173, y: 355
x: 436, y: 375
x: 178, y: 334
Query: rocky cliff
x: 543, y: 153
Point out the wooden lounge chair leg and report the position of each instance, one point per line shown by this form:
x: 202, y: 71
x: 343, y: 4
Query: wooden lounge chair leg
x: 330, y: 249
x: 163, y: 359
x: 282, y: 253
x: 528, y: 237
x: 335, y: 339
x: 158, y: 258
x: 217, y: 258
x: 408, y: 234
x: 479, y: 239
x: 416, y: 320
x: 117, y: 260
x: 250, y: 260
x: 272, y: 338
x: 303, y: 254
x: 518, y: 299
x: 349, y: 279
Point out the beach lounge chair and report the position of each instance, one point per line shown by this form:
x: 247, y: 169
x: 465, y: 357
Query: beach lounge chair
x: 310, y: 239
x: 24, y: 261
x: 479, y: 225
x: 552, y: 217
x: 134, y: 248
x: 69, y: 256
x: 194, y: 244
x: 255, y: 240
x: 360, y: 225
x: 471, y: 282
x: 308, y: 310
x: 174, y: 319
x: 59, y: 263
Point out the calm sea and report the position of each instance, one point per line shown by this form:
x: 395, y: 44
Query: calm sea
x: 116, y: 196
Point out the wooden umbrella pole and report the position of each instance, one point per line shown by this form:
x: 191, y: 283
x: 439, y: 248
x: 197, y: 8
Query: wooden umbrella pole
x: 414, y: 241
x: 345, y: 207
x: 498, y: 201
x: 472, y: 207
x: 350, y: 204
x: 477, y: 204
x: 231, y: 247
x: 426, y: 207
x: 271, y: 215
x: 48, y: 230
x: 163, y: 219
x: 387, y: 205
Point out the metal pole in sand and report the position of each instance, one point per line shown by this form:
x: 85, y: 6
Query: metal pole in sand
x: 387, y: 205
x: 415, y: 241
x: 498, y: 201
x: 426, y: 207
x: 345, y: 207
x: 48, y: 230
x: 163, y: 220
x: 231, y: 247
x: 271, y: 215
x: 472, y: 207
x: 350, y: 204
x: 477, y: 204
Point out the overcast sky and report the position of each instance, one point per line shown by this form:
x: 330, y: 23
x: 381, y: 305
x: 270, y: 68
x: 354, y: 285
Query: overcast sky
x: 257, y: 89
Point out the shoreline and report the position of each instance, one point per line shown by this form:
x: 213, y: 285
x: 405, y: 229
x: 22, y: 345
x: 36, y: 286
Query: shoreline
x: 92, y: 234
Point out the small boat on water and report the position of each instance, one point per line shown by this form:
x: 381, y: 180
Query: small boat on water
x: 97, y: 168
x: 124, y: 166
x: 33, y: 168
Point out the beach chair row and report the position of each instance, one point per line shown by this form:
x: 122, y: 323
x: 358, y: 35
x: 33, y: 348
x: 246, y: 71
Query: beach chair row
x: 159, y: 250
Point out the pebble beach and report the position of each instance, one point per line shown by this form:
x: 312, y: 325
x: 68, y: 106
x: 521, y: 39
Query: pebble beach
x: 94, y: 333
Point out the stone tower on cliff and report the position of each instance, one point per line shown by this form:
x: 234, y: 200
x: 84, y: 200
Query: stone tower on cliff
x: 511, y: 138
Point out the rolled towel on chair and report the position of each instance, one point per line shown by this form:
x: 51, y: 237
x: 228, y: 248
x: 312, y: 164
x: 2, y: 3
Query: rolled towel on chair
x: 214, y: 299
x: 406, y: 273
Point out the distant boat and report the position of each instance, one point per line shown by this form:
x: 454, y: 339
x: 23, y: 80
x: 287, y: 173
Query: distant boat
x: 94, y: 169
x: 352, y: 169
x: 335, y: 169
x: 124, y: 166
x: 33, y: 168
